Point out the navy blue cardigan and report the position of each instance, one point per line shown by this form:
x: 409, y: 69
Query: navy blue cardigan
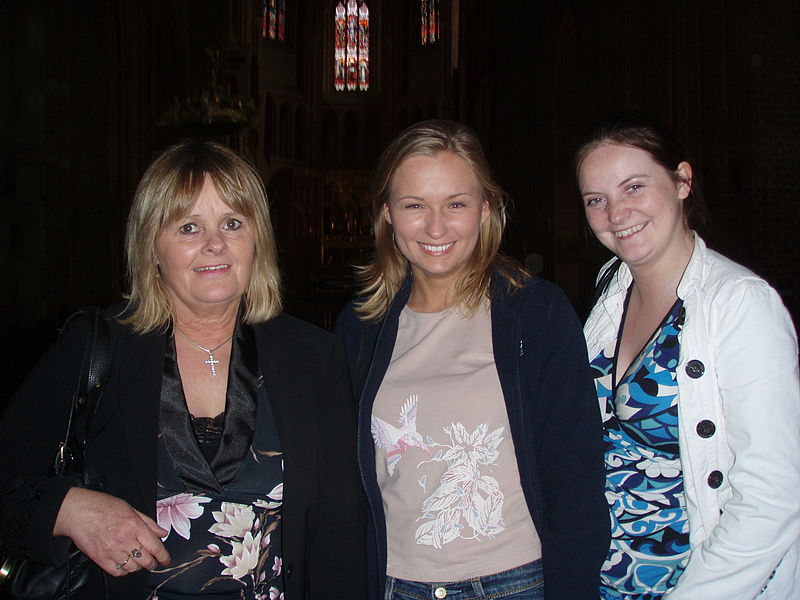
x: 541, y: 360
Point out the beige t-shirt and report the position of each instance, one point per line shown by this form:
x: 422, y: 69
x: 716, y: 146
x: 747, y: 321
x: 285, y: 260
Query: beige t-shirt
x: 444, y: 454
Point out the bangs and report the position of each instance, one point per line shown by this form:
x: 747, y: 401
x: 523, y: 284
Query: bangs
x: 242, y: 193
x: 174, y: 199
x: 177, y: 198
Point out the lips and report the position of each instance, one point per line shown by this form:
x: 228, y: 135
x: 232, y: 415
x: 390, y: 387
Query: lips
x: 436, y: 248
x: 630, y: 231
x: 211, y: 268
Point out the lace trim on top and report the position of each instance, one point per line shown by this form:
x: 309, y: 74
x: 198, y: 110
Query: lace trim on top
x: 208, y: 431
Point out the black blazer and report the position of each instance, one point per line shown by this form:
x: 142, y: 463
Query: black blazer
x: 307, y: 384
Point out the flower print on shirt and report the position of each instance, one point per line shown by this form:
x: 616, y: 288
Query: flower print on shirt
x: 243, y: 535
x: 465, y: 499
x: 232, y: 520
x: 468, y: 501
x: 177, y: 511
x: 274, y: 594
x: 244, y: 557
x: 233, y: 547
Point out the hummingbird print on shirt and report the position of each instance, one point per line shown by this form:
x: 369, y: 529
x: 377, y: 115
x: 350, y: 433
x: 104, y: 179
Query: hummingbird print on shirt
x: 396, y: 440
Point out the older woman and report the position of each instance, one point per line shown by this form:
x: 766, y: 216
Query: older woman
x: 478, y: 439
x: 695, y: 360
x: 225, y: 433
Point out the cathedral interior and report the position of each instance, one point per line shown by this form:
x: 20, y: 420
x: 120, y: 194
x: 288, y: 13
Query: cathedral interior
x: 311, y: 91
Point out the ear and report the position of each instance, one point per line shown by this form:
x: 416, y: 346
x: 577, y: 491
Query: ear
x: 386, y: 214
x: 485, y: 211
x: 684, y: 172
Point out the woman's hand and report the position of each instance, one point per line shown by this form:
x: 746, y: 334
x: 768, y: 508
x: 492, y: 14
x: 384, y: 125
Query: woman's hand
x: 117, y: 537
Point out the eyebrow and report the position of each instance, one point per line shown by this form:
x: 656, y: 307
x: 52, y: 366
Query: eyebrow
x: 634, y: 176
x: 450, y: 197
x: 230, y: 213
x: 621, y: 183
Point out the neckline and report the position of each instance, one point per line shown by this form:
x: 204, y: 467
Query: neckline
x: 614, y: 378
x: 423, y: 315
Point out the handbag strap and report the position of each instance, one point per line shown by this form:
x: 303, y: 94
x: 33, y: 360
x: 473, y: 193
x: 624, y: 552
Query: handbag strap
x: 605, y: 281
x: 86, y: 397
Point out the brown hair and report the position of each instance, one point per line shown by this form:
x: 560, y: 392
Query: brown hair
x: 383, y: 277
x: 639, y: 130
x: 167, y: 191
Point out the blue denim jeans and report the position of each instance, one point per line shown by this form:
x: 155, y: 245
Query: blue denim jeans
x: 520, y: 583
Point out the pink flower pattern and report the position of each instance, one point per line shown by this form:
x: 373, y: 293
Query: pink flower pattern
x: 175, y: 512
x: 276, y: 568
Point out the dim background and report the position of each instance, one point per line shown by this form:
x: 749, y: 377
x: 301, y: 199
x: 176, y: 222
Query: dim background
x: 92, y: 90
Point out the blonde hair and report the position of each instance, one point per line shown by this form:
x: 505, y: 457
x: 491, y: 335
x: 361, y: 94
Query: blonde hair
x: 167, y: 191
x: 384, y: 276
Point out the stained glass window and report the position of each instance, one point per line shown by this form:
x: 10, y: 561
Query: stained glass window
x: 429, y: 21
x: 273, y: 20
x: 351, y: 46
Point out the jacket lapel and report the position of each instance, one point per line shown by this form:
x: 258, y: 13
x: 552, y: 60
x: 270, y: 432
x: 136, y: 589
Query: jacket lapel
x: 140, y: 361
x: 286, y: 385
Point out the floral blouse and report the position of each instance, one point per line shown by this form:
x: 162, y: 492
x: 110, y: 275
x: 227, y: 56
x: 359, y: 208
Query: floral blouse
x: 223, y: 515
x: 644, y: 481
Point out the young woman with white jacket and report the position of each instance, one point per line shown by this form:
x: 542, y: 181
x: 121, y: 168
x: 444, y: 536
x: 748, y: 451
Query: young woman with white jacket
x: 695, y: 364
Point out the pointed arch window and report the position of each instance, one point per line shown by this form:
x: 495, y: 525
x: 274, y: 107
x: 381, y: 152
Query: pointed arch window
x: 429, y: 22
x: 351, y: 46
x: 273, y: 20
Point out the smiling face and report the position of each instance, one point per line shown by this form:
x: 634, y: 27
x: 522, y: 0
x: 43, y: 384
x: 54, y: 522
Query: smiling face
x: 435, y: 209
x: 634, y: 205
x: 206, y: 257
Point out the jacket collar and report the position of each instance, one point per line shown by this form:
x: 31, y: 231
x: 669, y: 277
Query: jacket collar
x: 400, y: 299
x: 693, y: 274
x: 140, y: 365
x: 498, y: 285
x: 614, y: 297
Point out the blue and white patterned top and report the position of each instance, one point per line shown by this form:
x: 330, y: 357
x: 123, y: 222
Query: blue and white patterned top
x: 644, y: 481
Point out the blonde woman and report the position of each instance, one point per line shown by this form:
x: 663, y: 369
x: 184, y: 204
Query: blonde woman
x: 225, y: 431
x: 478, y: 440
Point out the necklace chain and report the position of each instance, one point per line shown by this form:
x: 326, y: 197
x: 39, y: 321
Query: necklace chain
x: 211, y: 362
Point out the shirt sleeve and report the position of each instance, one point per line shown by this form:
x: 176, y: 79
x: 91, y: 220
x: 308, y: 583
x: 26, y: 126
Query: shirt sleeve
x: 337, y: 561
x: 755, y: 350
x: 566, y: 423
x: 32, y: 426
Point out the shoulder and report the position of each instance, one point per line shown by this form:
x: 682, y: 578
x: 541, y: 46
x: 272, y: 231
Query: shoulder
x: 78, y: 325
x: 543, y: 288
x: 720, y: 269
x: 711, y: 274
x: 294, y: 332
x: 534, y: 294
x: 349, y: 324
x: 538, y: 310
x: 723, y: 281
x: 737, y: 302
x: 347, y: 318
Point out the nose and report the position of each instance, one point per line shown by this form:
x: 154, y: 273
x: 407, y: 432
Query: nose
x: 618, y: 212
x: 435, y: 224
x: 214, y: 243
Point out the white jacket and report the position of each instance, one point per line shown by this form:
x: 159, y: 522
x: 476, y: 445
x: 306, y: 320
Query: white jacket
x: 739, y: 415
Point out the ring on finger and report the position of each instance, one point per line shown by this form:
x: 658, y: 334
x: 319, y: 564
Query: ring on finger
x: 123, y: 563
x: 136, y: 553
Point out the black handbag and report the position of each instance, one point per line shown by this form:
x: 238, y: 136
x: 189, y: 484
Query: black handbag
x: 25, y: 579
